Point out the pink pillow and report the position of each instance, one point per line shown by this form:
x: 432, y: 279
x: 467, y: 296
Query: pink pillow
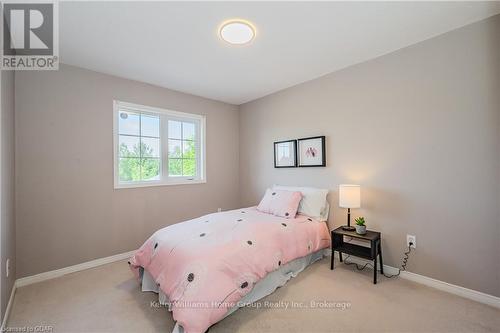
x: 280, y: 203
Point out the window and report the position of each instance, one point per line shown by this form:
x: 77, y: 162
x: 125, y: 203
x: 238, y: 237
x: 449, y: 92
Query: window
x: 157, y: 147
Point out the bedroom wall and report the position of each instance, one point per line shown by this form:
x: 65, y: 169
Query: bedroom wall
x: 7, y: 218
x: 419, y: 129
x: 68, y: 211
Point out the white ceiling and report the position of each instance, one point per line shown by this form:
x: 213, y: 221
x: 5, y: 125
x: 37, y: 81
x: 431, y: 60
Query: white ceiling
x: 175, y: 44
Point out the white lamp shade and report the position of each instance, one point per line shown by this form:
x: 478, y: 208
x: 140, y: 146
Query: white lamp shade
x: 349, y: 196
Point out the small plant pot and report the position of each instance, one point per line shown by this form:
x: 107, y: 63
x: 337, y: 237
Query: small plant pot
x: 361, y: 229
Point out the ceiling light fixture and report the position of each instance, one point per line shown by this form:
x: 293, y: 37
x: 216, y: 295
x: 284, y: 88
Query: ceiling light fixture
x: 237, y: 32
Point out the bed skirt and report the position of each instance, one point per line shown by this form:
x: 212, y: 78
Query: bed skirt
x: 264, y: 287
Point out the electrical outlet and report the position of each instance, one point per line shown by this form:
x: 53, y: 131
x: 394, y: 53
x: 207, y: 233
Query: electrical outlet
x: 219, y: 210
x: 412, y: 239
x: 7, y: 268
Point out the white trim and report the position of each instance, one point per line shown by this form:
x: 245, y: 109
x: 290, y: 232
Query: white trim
x: 7, y: 309
x: 453, y: 289
x: 152, y: 109
x: 71, y: 269
x: 115, y: 144
x: 437, y: 284
x: 430, y: 282
x: 57, y: 273
x: 164, y: 114
x: 152, y: 184
x: 387, y: 269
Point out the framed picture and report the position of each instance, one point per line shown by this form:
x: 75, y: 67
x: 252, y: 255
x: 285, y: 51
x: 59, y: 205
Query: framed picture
x: 285, y: 154
x: 312, y: 152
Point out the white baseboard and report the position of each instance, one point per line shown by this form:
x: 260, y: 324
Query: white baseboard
x: 441, y: 285
x: 387, y: 269
x: 7, y: 309
x: 71, y: 269
x: 57, y: 273
x: 453, y: 289
x: 438, y: 284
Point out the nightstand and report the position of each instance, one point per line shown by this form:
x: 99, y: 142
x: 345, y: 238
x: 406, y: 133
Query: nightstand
x: 369, y: 253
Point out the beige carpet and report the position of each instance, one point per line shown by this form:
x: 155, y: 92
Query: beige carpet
x: 107, y: 299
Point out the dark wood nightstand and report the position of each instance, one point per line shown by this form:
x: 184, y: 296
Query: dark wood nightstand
x: 370, y: 253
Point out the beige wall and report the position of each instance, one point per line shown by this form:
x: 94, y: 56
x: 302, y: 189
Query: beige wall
x: 67, y: 209
x: 7, y: 217
x: 419, y: 129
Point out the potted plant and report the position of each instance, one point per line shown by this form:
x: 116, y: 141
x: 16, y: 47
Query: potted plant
x: 360, y: 225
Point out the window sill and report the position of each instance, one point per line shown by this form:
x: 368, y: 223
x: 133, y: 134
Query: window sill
x: 153, y: 184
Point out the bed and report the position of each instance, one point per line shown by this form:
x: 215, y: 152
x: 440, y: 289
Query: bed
x: 206, y: 268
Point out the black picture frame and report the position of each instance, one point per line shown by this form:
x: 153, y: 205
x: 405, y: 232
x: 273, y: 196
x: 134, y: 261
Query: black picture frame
x: 294, y: 142
x: 323, y: 152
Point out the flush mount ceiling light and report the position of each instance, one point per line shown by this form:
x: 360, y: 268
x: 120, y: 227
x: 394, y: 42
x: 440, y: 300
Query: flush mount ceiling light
x: 237, y: 32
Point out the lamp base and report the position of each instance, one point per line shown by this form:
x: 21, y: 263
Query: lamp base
x: 348, y: 228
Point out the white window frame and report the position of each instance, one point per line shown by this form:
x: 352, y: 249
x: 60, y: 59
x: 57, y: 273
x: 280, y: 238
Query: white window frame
x: 165, y: 115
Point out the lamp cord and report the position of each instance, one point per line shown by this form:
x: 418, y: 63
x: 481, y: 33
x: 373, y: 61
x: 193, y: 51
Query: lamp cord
x: 368, y: 264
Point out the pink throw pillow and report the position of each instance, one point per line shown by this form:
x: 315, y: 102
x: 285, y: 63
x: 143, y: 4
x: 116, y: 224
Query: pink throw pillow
x: 280, y: 203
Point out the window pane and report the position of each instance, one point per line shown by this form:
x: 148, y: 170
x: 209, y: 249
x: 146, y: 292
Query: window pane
x: 174, y: 129
x: 129, y: 169
x: 188, y: 149
x: 156, y: 147
x: 189, y: 167
x: 150, y: 169
x: 129, y: 146
x: 128, y: 123
x: 174, y: 148
x: 150, y: 125
x: 175, y: 167
x: 188, y: 131
x: 150, y: 147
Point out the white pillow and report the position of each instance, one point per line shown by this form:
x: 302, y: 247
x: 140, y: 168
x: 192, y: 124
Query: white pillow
x: 313, y: 201
x: 326, y: 212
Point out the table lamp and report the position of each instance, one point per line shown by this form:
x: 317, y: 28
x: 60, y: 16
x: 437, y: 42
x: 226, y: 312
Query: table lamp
x: 349, y: 197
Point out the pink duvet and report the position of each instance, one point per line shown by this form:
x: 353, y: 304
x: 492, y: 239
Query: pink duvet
x: 206, y: 265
